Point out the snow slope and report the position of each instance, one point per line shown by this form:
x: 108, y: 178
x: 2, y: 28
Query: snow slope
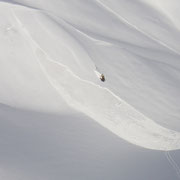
x: 52, y: 53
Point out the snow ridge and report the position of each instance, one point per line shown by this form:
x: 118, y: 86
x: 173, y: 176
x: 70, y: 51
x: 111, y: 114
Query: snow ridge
x: 107, y: 109
x: 137, y: 28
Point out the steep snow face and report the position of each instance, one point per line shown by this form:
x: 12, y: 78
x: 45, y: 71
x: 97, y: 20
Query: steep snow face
x: 53, y: 53
x: 108, y: 109
x: 58, y: 120
x: 22, y: 83
x: 136, y: 42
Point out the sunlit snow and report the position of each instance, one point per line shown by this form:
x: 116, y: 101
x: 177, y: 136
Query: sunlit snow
x: 59, y: 120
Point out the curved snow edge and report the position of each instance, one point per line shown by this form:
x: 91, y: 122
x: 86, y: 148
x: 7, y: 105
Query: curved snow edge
x: 103, y: 105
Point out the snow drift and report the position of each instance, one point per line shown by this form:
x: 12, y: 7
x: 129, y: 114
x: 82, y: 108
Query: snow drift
x: 53, y: 52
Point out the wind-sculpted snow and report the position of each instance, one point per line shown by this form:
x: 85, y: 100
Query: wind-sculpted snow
x: 58, y: 120
x: 107, y: 109
x: 169, y: 8
x: 85, y: 95
x: 104, y: 106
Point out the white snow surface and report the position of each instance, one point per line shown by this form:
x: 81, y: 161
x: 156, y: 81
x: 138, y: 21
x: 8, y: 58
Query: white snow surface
x: 58, y: 120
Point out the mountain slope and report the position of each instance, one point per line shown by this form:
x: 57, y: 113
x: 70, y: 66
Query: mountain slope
x: 52, y: 55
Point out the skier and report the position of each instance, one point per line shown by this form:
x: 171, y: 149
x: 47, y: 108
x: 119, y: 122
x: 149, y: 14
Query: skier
x: 102, y: 78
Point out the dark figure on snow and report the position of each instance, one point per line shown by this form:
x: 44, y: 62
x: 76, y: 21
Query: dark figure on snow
x: 102, y: 78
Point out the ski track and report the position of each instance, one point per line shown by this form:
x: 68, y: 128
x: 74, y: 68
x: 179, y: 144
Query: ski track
x: 135, y: 27
x: 143, y: 123
x: 172, y: 163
